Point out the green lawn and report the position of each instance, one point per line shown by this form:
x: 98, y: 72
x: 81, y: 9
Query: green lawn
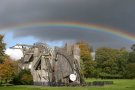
x: 118, y: 85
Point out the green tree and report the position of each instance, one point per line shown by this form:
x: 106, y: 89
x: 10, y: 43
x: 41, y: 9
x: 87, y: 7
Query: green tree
x: 133, y: 47
x: 130, y: 67
x: 7, y: 68
x: 131, y: 57
x: 122, y: 61
x: 130, y: 71
x: 87, y: 63
x: 24, y: 77
x: 111, y: 63
x: 132, y: 54
x: 2, y: 48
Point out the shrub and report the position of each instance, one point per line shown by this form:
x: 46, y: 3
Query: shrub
x: 23, y: 78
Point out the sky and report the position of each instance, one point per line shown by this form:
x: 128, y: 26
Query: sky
x: 119, y: 14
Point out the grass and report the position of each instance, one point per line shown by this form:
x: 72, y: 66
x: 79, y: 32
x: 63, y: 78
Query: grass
x: 118, y: 85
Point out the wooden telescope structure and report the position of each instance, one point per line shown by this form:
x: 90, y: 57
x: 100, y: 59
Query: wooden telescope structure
x: 51, y: 66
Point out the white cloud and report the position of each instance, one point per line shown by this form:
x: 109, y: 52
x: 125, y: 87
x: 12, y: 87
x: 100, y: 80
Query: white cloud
x: 14, y: 54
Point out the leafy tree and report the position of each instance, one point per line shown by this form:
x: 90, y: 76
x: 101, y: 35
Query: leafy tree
x: 133, y: 47
x: 24, y: 77
x: 132, y: 54
x: 2, y: 48
x: 87, y: 63
x: 7, y: 70
x: 122, y: 61
x: 130, y: 67
x: 7, y: 66
x: 131, y: 57
x: 130, y: 71
x: 111, y: 63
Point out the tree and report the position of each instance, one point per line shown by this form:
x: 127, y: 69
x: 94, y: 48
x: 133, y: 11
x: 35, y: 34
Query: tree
x: 87, y: 63
x: 111, y: 63
x: 133, y: 47
x: 132, y: 54
x: 2, y: 48
x: 130, y: 67
x: 122, y: 61
x: 130, y: 71
x: 24, y: 77
x: 131, y: 57
x: 7, y: 70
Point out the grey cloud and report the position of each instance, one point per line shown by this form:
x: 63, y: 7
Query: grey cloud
x: 65, y: 34
x: 113, y: 13
x: 96, y: 39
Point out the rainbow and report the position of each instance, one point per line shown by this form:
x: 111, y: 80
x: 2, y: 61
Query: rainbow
x: 83, y: 26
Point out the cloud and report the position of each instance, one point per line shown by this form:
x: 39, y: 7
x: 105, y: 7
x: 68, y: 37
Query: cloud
x: 114, y: 13
x: 97, y: 39
x: 14, y: 54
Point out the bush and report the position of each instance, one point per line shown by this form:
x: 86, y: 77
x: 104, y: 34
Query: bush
x: 130, y: 71
x: 109, y: 76
x: 23, y: 78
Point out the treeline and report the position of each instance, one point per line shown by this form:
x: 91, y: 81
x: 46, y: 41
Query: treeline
x: 9, y: 70
x: 109, y: 63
